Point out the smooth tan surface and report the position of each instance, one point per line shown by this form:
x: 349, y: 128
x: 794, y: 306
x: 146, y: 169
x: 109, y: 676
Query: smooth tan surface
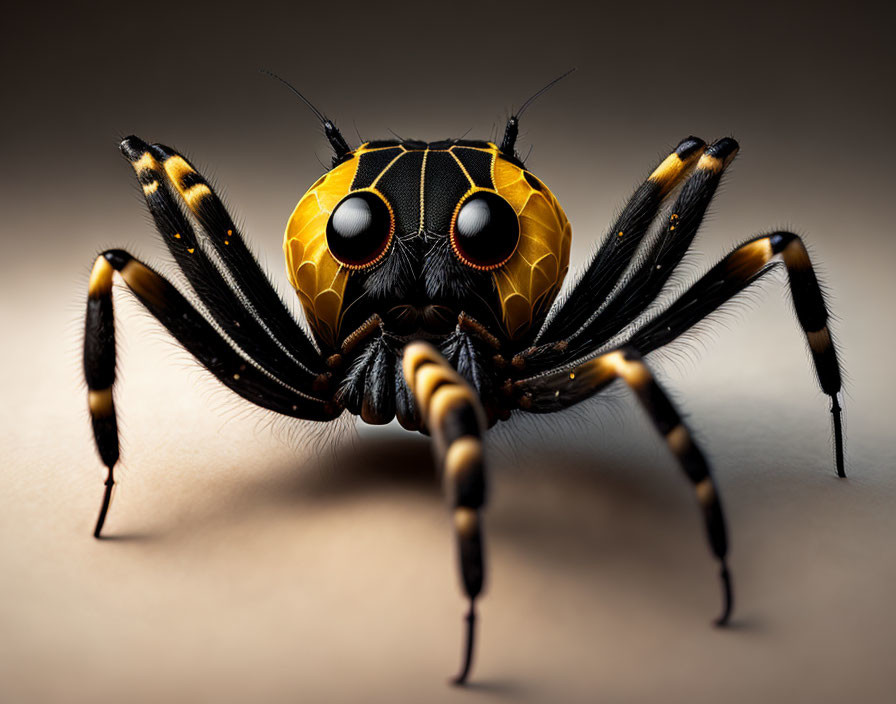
x: 237, y: 569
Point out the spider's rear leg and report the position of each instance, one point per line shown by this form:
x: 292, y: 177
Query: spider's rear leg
x: 193, y: 331
x: 733, y: 274
x: 565, y: 387
x: 453, y: 415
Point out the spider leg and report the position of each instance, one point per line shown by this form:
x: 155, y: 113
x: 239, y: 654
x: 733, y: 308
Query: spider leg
x: 193, y: 331
x: 734, y: 273
x: 236, y: 292
x: 621, y: 242
x: 654, y: 270
x: 565, y: 387
x: 453, y: 415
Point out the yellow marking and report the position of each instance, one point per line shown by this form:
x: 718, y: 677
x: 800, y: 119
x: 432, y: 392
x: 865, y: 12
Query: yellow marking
x: 230, y: 233
x: 145, y: 163
x: 226, y: 241
x: 100, y: 278
x: 820, y: 340
x: 445, y: 399
x: 422, y: 182
x: 466, y: 522
x: 529, y: 281
x: 427, y: 379
x: 634, y: 373
x: 191, y: 250
x: 177, y: 235
x: 100, y: 403
x: 144, y: 282
x: 620, y: 233
x: 708, y: 162
x: 319, y: 280
x: 749, y: 259
x: 416, y: 354
x: 236, y: 376
x: 150, y: 188
x: 195, y: 193
x: 706, y: 492
x: 714, y: 163
x: 572, y: 375
x: 678, y: 439
x: 463, y: 454
x: 668, y: 173
x: 796, y: 257
x: 177, y: 167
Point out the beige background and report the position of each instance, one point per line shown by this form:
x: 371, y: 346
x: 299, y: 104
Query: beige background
x: 252, y: 560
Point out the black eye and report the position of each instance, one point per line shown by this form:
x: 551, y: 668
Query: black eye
x: 359, y: 230
x: 485, y: 230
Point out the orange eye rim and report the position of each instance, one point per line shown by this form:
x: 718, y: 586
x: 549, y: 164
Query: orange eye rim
x: 452, y: 239
x: 387, y: 242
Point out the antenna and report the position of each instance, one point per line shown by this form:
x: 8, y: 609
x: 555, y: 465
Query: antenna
x: 512, y: 130
x: 334, y: 136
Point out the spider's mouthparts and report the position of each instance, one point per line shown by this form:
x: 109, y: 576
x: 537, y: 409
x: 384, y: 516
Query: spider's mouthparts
x: 431, y: 320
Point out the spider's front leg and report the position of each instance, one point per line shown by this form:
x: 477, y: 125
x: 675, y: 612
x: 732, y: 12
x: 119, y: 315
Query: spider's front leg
x: 243, y: 303
x: 454, y: 417
x: 235, y: 370
x: 622, y: 241
x: 565, y: 387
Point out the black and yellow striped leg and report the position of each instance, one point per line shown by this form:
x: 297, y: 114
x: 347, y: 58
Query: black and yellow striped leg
x: 235, y: 310
x: 99, y: 372
x: 622, y: 241
x: 225, y: 238
x: 558, y: 390
x: 193, y: 331
x: 647, y: 279
x: 734, y: 273
x: 454, y: 417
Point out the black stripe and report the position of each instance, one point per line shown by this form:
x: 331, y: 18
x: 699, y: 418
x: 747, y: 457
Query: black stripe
x: 105, y: 434
x: 478, y: 165
x: 472, y: 563
x: 99, y: 343
x: 371, y: 165
x: 401, y: 186
x: 444, y: 186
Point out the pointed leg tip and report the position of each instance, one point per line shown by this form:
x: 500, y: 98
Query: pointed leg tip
x: 461, y: 678
x: 727, y: 595
x: 104, y: 509
x: 458, y: 681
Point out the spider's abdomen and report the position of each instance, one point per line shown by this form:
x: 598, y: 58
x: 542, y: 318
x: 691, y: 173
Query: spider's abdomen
x: 418, y: 232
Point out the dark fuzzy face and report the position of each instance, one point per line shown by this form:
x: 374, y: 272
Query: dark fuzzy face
x: 417, y: 233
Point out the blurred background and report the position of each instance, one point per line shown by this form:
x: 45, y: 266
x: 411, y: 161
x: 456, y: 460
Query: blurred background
x: 252, y: 559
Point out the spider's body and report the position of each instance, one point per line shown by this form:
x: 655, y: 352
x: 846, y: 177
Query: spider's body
x: 416, y: 281
x: 427, y: 272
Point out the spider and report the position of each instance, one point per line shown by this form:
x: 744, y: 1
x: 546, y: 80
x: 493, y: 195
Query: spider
x: 428, y: 273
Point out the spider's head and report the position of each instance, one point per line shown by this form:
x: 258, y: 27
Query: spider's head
x: 419, y: 232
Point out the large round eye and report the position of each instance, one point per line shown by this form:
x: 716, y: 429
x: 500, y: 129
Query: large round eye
x: 485, y: 230
x: 359, y: 230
